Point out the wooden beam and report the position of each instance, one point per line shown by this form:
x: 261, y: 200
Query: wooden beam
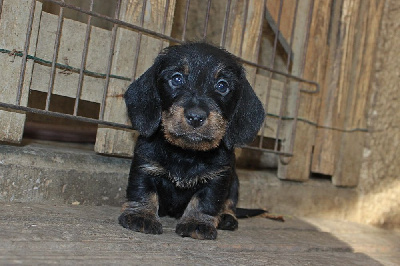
x: 13, y: 28
x: 70, y: 53
x: 121, y: 142
x: 297, y: 167
x: 350, y: 150
x: 244, y: 32
x: 352, y: 41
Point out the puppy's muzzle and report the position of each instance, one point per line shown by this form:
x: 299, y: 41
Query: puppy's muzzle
x: 195, y: 117
x: 193, y: 128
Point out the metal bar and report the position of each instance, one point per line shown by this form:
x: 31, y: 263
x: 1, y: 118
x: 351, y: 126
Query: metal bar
x: 118, y: 22
x: 54, y: 60
x: 226, y: 21
x: 258, y: 45
x: 109, y: 63
x: 61, y: 115
x: 206, y: 20
x: 285, y: 86
x: 164, y: 26
x: 158, y: 35
x: 25, y: 52
x: 83, y: 60
x: 246, y: 10
x: 185, y: 20
x: 307, y: 37
x: 1, y: 7
x: 272, y: 63
x: 286, y: 154
x: 311, y: 82
x: 138, y: 42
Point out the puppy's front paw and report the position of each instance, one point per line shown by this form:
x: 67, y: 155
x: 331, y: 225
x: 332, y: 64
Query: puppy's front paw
x: 140, y: 223
x: 228, y: 222
x: 196, y: 229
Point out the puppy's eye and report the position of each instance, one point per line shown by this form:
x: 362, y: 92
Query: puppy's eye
x: 222, y: 87
x: 176, y: 80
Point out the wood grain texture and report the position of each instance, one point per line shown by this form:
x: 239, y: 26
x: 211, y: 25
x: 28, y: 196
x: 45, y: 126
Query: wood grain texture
x: 121, y: 142
x: 345, y: 90
x: 244, y: 32
x: 297, y: 167
x: 13, y: 27
x: 350, y: 150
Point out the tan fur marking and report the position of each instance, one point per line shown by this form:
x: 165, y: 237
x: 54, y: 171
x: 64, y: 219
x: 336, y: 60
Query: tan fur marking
x: 153, y: 168
x: 218, y: 70
x: 178, y: 132
x: 149, y: 205
x: 192, y: 213
x: 185, y: 66
x: 228, y: 208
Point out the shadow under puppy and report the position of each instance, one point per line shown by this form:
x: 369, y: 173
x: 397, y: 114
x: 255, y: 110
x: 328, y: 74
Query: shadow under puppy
x: 191, y: 108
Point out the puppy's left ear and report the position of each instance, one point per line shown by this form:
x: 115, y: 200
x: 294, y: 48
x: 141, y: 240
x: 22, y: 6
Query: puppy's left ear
x: 143, y: 102
x: 247, y: 118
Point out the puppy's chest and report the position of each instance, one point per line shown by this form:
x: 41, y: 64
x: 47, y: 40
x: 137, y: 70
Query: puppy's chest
x: 183, y: 174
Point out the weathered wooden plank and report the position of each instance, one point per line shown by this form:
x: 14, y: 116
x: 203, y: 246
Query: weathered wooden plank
x: 315, y: 66
x: 286, y: 19
x: 243, y: 39
x: 13, y: 28
x: 274, y: 102
x: 351, y: 146
x: 324, y: 157
x: 297, y: 167
x: 276, y: 18
x: 120, y: 142
x: 70, y: 53
x: 345, y: 91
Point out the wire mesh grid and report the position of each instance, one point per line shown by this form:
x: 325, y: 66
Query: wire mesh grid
x: 139, y: 28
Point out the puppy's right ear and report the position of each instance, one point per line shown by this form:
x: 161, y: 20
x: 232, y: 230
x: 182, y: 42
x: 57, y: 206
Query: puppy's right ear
x: 143, y: 102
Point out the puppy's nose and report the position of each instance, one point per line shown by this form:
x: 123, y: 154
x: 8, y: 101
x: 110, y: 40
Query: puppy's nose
x: 195, y: 117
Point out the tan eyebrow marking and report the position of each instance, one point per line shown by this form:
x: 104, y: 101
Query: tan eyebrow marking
x: 185, y: 66
x: 218, y: 70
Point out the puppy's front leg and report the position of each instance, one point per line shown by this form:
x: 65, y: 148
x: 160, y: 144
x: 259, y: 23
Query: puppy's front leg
x: 140, y: 213
x: 141, y: 216
x: 200, y: 219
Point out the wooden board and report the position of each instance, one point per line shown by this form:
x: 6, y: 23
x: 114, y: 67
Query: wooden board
x: 286, y: 19
x: 345, y: 93
x: 274, y: 103
x: 70, y: 53
x: 121, y: 142
x: 13, y: 28
x: 250, y: 47
x: 350, y: 150
x: 297, y: 167
x: 323, y: 157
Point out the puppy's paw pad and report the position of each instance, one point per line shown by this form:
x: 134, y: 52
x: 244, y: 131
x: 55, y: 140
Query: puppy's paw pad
x: 228, y: 222
x: 197, y: 230
x: 140, y: 223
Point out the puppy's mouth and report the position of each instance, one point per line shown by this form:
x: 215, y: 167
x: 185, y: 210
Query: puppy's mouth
x: 179, y: 132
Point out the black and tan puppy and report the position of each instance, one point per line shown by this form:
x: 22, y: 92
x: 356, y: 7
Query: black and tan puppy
x: 191, y: 108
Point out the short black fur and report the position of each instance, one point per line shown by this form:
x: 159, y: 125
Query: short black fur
x: 191, y: 108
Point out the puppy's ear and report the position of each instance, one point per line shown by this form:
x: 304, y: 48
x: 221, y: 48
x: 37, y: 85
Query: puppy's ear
x: 248, y: 116
x: 143, y: 102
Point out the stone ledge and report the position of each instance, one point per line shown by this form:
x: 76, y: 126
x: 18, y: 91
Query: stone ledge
x: 73, y: 174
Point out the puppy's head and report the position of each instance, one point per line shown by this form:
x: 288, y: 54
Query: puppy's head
x: 199, y: 95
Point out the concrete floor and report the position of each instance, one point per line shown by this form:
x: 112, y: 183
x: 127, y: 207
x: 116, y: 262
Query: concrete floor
x: 66, y: 218
x: 49, y: 233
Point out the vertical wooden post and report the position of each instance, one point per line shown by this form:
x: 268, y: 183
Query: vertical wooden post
x: 298, y: 167
x: 120, y: 142
x: 351, y: 144
x: 245, y: 31
x: 352, y: 41
x: 13, y: 28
